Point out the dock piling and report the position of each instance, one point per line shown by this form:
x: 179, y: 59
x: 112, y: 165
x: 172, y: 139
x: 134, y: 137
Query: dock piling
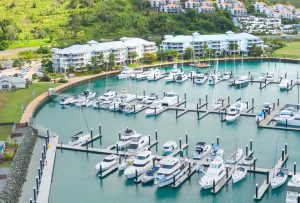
x: 117, y: 148
x: 34, y: 195
x: 153, y: 162
x: 268, y: 181
x: 173, y: 180
x: 100, y: 171
x: 252, y: 100
x: 226, y: 172
x: 119, y: 135
x: 30, y: 201
x: 285, y: 149
x: 282, y: 155
x: 218, y: 140
x: 156, y: 135
x: 87, y: 146
x: 277, y: 101
x: 144, y: 92
x: 37, y: 184
x: 189, y: 167
x: 41, y: 166
x: 186, y: 138
x: 44, y: 149
x: 206, y: 98
x: 180, y: 143
x: 251, y: 145
x: 149, y: 140
x: 43, y: 157
x: 92, y: 137
x: 254, y: 164
x: 246, y: 150
x: 256, y: 190
x: 100, y: 129
x: 214, y: 185
x: 39, y: 174
x: 295, y: 167
x: 228, y: 99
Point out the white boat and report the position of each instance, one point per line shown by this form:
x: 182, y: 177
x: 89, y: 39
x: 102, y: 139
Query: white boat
x: 293, y: 190
x: 168, y: 148
x: 214, y: 78
x: 242, y: 81
x: 79, y: 139
x: 201, y: 150
x: 200, y: 78
x: 127, y: 97
x: 151, y: 98
x: 226, y: 76
x: 82, y: 102
x: 215, y: 173
x: 181, y: 77
x: 135, y: 72
x: 142, y: 99
x: 270, y: 77
x: 266, y: 109
x: 149, y: 175
x: 218, y: 103
x: 126, y: 73
x: 154, y: 75
x: 107, y: 162
x: 155, y: 108
x: 170, y: 99
x: 173, y: 74
x: 235, y: 157
x: 125, y: 138
x: 234, y: 111
x: 170, y: 170
x: 90, y: 103
x: 287, y: 117
x: 133, y: 108
x: 117, y: 106
x: 87, y: 94
x: 279, y: 178
x: 105, y: 104
x: 142, y: 163
x: 216, y: 151
x: 144, y: 75
x: 65, y: 100
x: 108, y: 96
x: 239, y: 173
x: 138, y: 142
x: 284, y: 84
x: 249, y: 161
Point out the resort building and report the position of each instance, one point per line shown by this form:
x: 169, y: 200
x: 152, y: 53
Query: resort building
x: 81, y: 55
x: 8, y: 83
x: 218, y: 43
x: 276, y: 11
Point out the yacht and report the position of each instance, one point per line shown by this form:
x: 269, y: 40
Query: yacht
x: 218, y: 103
x: 279, y: 178
x: 154, y: 75
x: 126, y: 73
x: 248, y: 161
x: 82, y: 102
x: 125, y: 138
x: 168, y: 148
x: 150, y: 175
x: 215, y: 172
x: 125, y: 163
x: 201, y: 150
x: 79, y: 139
x: 136, y: 72
x: 235, y: 110
x: 226, y: 76
x: 293, y: 190
x: 117, y: 105
x: 214, y: 78
x: 107, y: 163
x: 231, y: 82
x: 170, y: 168
x: 239, y: 173
x: 155, y: 108
x: 87, y: 94
x: 266, y: 109
x: 173, y: 74
x: 181, y: 77
x: 132, y: 108
x: 142, y: 163
x: 235, y: 157
x: 242, y: 81
x: 270, y: 77
x: 151, y: 98
x: 287, y: 117
x: 127, y: 97
x: 65, y: 100
x: 200, y: 78
x: 284, y: 84
x: 170, y: 99
x: 108, y: 96
x: 138, y: 142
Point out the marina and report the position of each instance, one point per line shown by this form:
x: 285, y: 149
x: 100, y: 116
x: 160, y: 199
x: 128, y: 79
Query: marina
x: 192, y: 115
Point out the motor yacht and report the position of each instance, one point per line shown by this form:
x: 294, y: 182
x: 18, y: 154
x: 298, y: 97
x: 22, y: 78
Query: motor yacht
x: 170, y: 99
x: 218, y: 103
x: 201, y: 150
x: 173, y: 74
x: 125, y: 138
x: 126, y: 73
x: 136, y: 72
x: 107, y: 163
x: 88, y: 94
x: 79, y: 139
x: 138, y: 142
x: 200, y: 78
x: 154, y: 75
x: 169, y: 147
x: 242, y: 81
x: 149, y: 175
x: 284, y: 84
x: 181, y: 77
x: 287, y: 117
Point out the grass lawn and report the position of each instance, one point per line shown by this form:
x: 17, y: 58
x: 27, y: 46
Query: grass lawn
x: 11, y: 104
x: 291, y: 50
x: 28, y: 43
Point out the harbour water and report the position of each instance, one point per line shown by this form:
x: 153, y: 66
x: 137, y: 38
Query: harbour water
x: 75, y: 179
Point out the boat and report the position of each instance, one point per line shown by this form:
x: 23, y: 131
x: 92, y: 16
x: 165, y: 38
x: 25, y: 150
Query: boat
x: 142, y: 99
x: 136, y: 72
x: 65, y: 100
x: 288, y: 117
x: 142, y: 163
x: 127, y: 97
x: 235, y: 157
x: 125, y: 138
x: 216, y: 151
x: 82, y: 102
x: 214, y: 78
x: 149, y: 175
x: 173, y: 74
x: 132, y: 108
x: 270, y: 77
x: 293, y: 190
x: 87, y: 94
x: 279, y: 178
x: 171, y: 168
x: 117, y: 105
x: 168, y: 148
x: 126, y: 73
x: 200, y: 78
x: 90, y: 103
x: 108, y: 96
x: 170, y: 99
x: 154, y: 75
x: 155, y: 108
x: 249, y: 161
x: 144, y: 75
x: 107, y: 163
x: 215, y: 173
x: 151, y: 98
x: 79, y: 139
x: 231, y: 82
x: 125, y: 163
x: 242, y: 81
x: 239, y: 173
x: 218, y: 103
x: 201, y: 150
x: 181, y: 77
x: 266, y: 109
x: 138, y: 142
x: 284, y: 84
x: 226, y: 76
x: 234, y: 111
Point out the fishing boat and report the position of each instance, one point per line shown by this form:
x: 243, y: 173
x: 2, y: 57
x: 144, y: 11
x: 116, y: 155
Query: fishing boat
x: 154, y: 75
x: 293, y: 190
x: 125, y: 138
x: 171, y: 168
x: 126, y: 73
x: 181, y: 77
x: 201, y: 150
x: 287, y: 117
x: 138, y: 142
x: 284, y: 84
x: 155, y: 108
x: 168, y: 148
x: 235, y: 157
x: 266, y: 109
x: 249, y: 161
x: 173, y: 74
x: 142, y: 163
x: 215, y: 173
x: 149, y: 176
x: 79, y: 139
x: 279, y: 178
x: 242, y: 81
x: 200, y: 78
x: 107, y: 163
x: 239, y: 173
x: 170, y: 99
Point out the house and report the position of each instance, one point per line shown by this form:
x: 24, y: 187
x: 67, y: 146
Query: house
x: 190, y: 4
x: 8, y: 83
x: 171, y: 8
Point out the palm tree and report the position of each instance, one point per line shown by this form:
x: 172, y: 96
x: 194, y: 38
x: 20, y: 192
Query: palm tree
x: 233, y: 46
x: 132, y: 55
x: 112, y: 60
x: 204, y: 49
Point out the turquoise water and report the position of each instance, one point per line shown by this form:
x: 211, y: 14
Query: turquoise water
x: 74, y: 176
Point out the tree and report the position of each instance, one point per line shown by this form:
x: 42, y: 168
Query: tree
x: 233, y: 47
x: 149, y: 57
x: 204, y: 50
x: 94, y: 61
x: 255, y: 50
x: 161, y: 55
x: 171, y: 54
x: 188, y: 53
x: 132, y: 56
x: 111, y: 60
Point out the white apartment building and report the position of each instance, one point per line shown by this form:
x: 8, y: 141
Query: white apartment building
x: 219, y: 42
x: 276, y: 11
x: 81, y: 55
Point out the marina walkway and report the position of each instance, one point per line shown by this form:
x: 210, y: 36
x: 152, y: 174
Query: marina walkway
x: 46, y: 180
